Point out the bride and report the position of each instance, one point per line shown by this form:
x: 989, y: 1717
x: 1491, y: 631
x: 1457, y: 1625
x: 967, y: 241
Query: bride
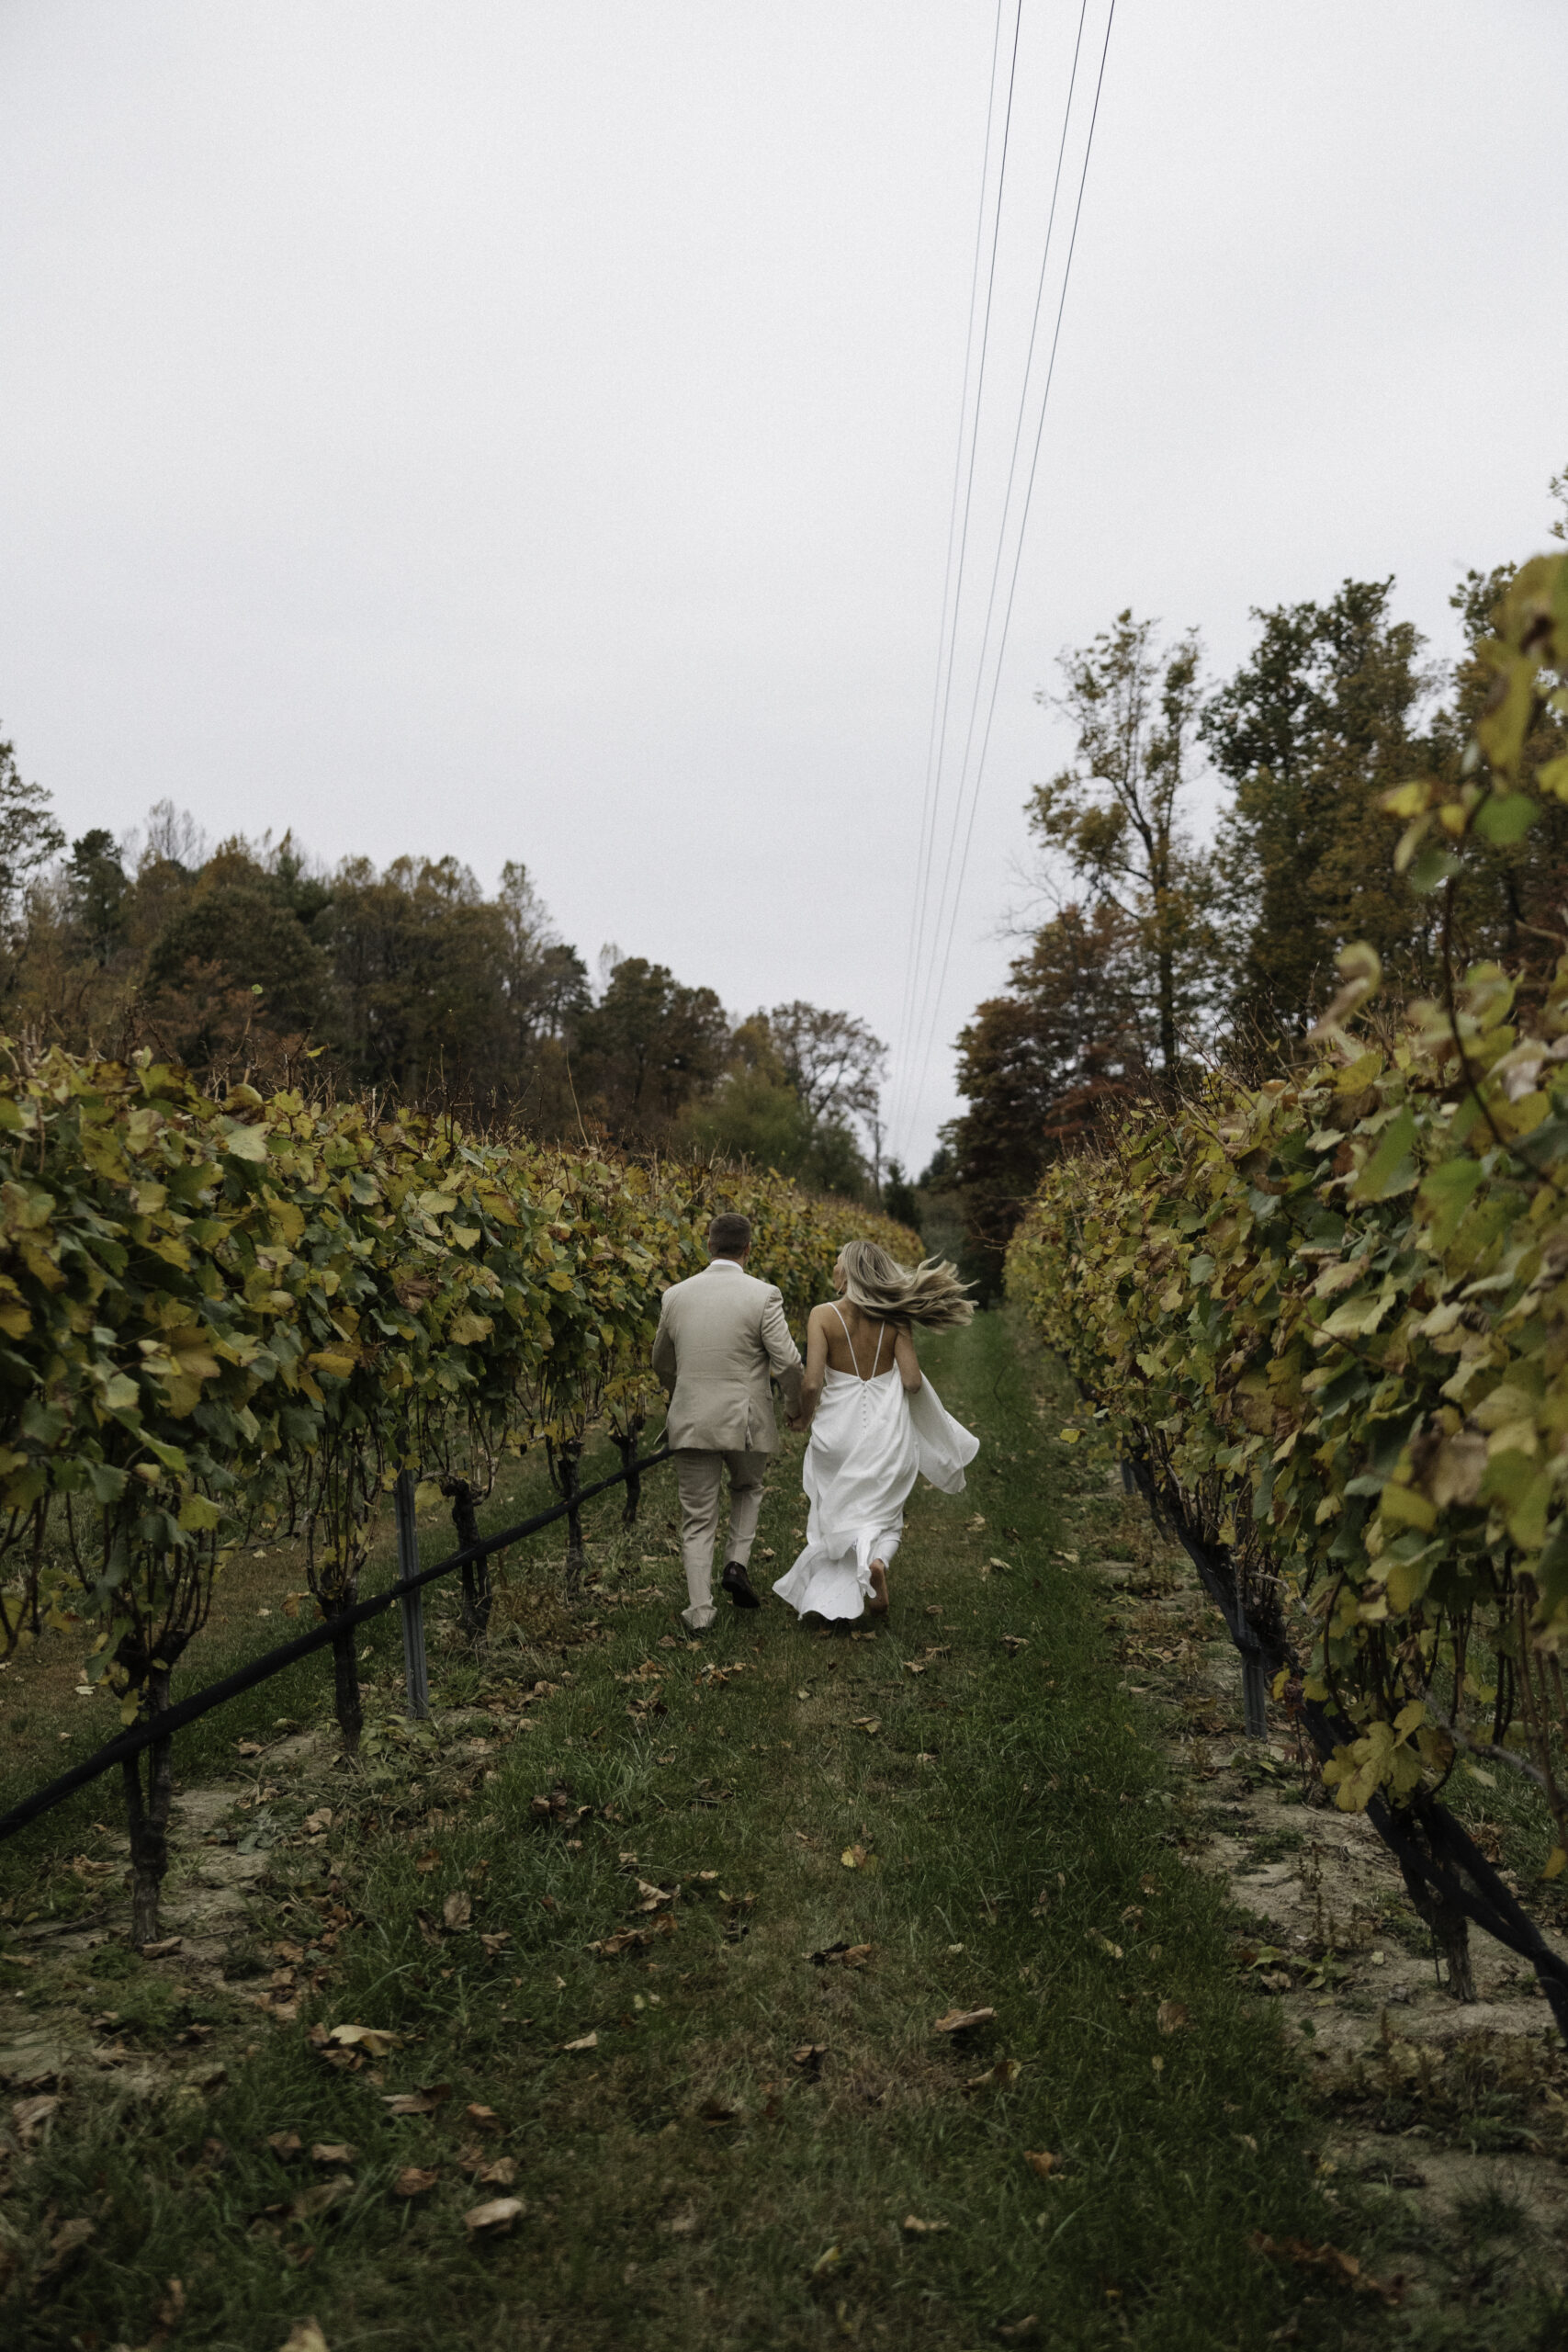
x: 876, y: 1424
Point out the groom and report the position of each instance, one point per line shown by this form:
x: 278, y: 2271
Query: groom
x: 720, y: 1335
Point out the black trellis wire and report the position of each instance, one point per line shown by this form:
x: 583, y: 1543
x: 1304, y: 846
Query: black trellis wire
x: 407, y: 1590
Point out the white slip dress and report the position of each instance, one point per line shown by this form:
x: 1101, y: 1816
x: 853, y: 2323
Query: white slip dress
x: 870, y: 1439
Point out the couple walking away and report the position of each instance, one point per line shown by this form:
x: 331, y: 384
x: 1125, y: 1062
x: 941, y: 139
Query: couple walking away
x: 875, y: 1423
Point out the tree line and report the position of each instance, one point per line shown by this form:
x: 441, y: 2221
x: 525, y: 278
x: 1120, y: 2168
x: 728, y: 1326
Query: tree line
x: 408, y: 982
x: 1209, y: 850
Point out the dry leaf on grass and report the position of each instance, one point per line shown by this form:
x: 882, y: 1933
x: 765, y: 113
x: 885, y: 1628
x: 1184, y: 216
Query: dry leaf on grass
x: 810, y: 2055
x: 1022, y: 2331
x: 499, y: 2175
x: 1042, y: 2161
x: 826, y: 2264
x: 458, y: 1910
x: 496, y: 2214
x: 429, y: 1860
x: 482, y: 2119
x: 65, y: 2245
x: 333, y: 2152
x: 1171, y: 2016
x: 323, y: 2197
x: 717, y: 2111
x: 583, y: 2042
x: 31, y: 2116
x: 372, y: 2040
x: 1329, y: 2258
x: 421, y: 2102
x: 997, y: 2077
x: 162, y: 1949
x: 633, y: 1938
x: 870, y: 1724
x: 842, y: 1955
x: 653, y: 1896
x: 306, y: 2337
x: 960, y: 2020
x: 283, y: 2144
x: 413, y: 2180
x: 854, y: 1858
x: 915, y: 2228
x: 497, y: 1943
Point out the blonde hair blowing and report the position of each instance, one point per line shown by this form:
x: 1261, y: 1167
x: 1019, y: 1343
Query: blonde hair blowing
x: 930, y: 1294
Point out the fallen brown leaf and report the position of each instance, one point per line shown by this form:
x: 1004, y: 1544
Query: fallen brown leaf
x: 1042, y: 2161
x: 306, y: 2337
x: 497, y: 1943
x: 482, y: 2119
x: 323, y: 2197
x: 428, y: 1861
x: 810, y: 2055
x: 997, y: 2077
x: 1171, y: 2016
x: 960, y: 2020
x: 333, y: 2152
x: 421, y: 2102
x: 458, y: 1910
x: 583, y: 2042
x: 413, y: 2180
x: 842, y: 1955
x: 372, y: 2040
x: 870, y: 1724
x: 30, y: 2116
x: 854, y: 1858
x: 65, y: 2245
x: 499, y: 2175
x: 160, y: 1949
x: 1331, y: 2259
x: 916, y: 2228
x: 497, y: 2213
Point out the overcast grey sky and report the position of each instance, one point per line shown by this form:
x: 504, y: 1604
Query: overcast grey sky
x: 527, y: 430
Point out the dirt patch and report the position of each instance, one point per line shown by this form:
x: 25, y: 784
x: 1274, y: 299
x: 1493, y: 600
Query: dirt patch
x: 1451, y: 2117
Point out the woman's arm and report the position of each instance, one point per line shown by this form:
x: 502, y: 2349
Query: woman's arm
x: 816, y: 1367
x: 907, y: 1361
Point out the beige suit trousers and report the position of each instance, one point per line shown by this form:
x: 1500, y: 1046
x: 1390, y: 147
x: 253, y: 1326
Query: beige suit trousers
x: 698, y: 1477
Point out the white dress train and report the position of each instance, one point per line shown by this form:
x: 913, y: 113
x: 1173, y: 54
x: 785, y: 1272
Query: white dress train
x: 870, y: 1439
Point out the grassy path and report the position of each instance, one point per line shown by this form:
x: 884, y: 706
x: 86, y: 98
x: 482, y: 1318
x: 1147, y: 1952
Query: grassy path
x: 961, y: 1805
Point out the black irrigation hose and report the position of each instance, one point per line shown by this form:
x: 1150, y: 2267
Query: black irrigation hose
x: 261, y: 1669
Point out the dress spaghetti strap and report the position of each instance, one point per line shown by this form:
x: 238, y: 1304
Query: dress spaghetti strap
x: 847, y: 1341
x: 876, y: 1360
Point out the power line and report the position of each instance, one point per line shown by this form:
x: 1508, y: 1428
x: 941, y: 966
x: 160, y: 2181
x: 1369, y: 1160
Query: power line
x: 925, y: 1000
x: 947, y: 638
x: 1018, y: 553
x: 906, y: 1007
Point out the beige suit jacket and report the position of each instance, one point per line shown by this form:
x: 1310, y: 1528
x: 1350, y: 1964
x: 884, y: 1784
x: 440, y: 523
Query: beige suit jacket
x: 721, y: 1333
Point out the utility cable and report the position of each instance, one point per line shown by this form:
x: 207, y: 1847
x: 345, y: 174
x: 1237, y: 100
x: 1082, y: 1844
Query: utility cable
x: 905, y: 1006
x: 1018, y: 552
x: 925, y: 996
x: 930, y: 834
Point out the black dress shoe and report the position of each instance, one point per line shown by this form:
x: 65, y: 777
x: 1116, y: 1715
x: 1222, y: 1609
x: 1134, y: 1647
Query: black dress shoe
x: 737, y: 1584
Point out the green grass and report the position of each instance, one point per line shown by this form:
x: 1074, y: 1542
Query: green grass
x: 686, y: 2182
